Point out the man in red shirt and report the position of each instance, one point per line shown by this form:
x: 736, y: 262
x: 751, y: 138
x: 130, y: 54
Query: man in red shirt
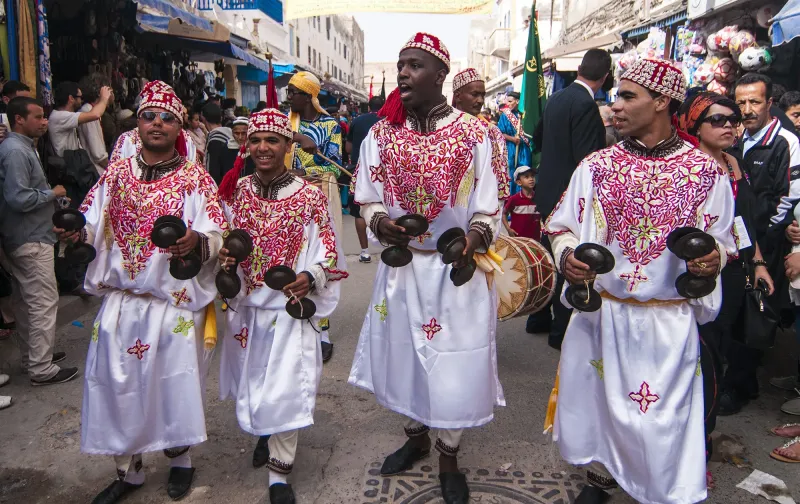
x: 525, y: 219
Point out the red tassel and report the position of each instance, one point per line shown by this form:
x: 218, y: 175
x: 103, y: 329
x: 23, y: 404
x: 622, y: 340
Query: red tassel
x: 228, y: 186
x: 393, y: 110
x: 180, y: 144
x: 683, y: 135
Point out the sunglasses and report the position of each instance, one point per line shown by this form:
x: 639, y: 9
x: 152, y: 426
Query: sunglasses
x: 292, y: 92
x: 720, y: 120
x: 150, y: 116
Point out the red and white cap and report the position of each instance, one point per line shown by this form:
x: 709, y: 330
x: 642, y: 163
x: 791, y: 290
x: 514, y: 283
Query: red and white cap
x: 431, y: 44
x: 154, y: 86
x: 272, y: 120
x: 163, y: 98
x: 465, y: 77
x: 660, y: 76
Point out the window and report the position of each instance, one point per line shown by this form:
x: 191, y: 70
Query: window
x: 327, y: 64
x: 292, y: 49
x: 319, y: 24
x: 297, y: 45
x: 345, y: 52
x: 314, y: 61
x: 309, y: 55
x: 328, y: 26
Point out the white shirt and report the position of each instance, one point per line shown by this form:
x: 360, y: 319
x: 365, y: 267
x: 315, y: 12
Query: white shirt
x: 586, y: 86
x: 63, y: 127
x: 750, y: 141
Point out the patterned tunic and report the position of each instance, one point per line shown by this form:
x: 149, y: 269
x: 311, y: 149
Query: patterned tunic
x: 327, y: 134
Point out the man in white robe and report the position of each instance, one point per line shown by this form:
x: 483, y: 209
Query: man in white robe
x: 271, y: 362
x: 630, y: 401
x: 146, y: 367
x: 427, y: 347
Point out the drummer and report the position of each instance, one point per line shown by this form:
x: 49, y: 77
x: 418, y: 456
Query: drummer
x: 525, y: 219
x: 260, y: 337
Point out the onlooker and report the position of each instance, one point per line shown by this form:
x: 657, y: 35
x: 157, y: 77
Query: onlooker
x: 517, y: 144
x: 27, y: 204
x: 260, y: 106
x: 228, y: 114
x: 65, y: 119
x: 571, y: 128
x: 358, y: 132
x: 217, y: 143
x: 775, y: 110
x: 90, y: 134
x: 239, y: 131
x: 790, y: 104
x: 198, y: 133
x: 11, y: 90
x: 525, y: 220
x: 607, y: 115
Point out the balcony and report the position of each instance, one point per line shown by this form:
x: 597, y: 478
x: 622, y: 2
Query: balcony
x: 272, y: 8
x: 499, y: 43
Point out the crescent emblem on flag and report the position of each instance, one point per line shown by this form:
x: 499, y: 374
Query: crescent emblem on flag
x: 531, y: 65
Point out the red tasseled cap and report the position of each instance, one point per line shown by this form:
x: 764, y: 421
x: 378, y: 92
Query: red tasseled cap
x: 228, y: 186
x: 393, y: 110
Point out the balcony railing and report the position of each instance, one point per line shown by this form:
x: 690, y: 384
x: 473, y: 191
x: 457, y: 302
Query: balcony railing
x: 500, y: 43
x: 272, y: 8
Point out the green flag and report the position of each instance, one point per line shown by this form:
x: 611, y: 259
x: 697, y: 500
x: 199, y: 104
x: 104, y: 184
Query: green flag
x: 533, y: 97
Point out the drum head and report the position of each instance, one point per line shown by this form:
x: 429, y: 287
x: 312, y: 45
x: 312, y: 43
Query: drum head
x: 529, y: 277
x: 278, y: 277
x: 582, y: 298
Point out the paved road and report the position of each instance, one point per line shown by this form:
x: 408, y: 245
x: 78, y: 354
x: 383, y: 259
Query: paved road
x: 39, y: 436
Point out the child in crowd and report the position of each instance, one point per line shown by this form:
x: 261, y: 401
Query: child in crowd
x: 525, y: 219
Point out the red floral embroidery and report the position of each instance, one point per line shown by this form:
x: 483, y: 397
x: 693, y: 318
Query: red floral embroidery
x: 431, y: 328
x: 133, y: 136
x: 377, y: 173
x: 644, y: 199
x: 242, y: 337
x: 423, y: 172
x: 709, y: 220
x: 278, y: 229
x: 181, y: 297
x: 581, y: 208
x: 138, y: 349
x: 500, y: 162
x: 644, y: 397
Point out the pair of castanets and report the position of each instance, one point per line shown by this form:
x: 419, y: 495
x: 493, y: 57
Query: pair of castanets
x: 277, y: 278
x: 167, y: 230
x: 600, y: 261
x: 451, y: 244
x: 239, y: 245
x: 689, y: 243
x: 398, y: 256
x: 70, y: 219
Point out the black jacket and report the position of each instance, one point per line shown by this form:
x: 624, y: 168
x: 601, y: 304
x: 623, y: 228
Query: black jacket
x: 570, y: 130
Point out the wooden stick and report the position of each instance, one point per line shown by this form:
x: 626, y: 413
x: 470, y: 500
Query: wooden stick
x: 334, y: 163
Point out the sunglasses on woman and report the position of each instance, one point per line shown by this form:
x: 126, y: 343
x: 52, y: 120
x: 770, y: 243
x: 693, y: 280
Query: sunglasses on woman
x: 150, y: 116
x: 720, y: 120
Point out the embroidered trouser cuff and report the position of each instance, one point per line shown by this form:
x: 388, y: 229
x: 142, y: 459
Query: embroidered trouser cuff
x: 447, y: 441
x: 282, y: 449
x: 127, y: 466
x: 598, y: 476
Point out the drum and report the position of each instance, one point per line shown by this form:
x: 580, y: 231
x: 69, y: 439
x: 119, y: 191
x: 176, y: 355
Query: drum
x: 529, y: 277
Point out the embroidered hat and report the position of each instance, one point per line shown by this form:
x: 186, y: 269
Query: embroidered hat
x: 154, y: 86
x: 270, y: 120
x: 429, y: 43
x: 465, y: 77
x: 660, y: 76
x: 165, y: 99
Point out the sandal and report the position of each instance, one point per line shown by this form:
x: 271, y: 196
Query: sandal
x: 782, y: 458
x: 775, y: 430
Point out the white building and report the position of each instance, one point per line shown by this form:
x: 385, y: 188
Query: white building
x: 375, y: 70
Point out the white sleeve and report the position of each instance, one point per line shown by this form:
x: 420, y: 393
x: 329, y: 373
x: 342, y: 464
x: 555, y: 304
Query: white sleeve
x: 483, y: 208
x: 369, y: 178
x: 563, y: 227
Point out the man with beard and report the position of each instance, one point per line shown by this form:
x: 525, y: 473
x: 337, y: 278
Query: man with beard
x: 146, y: 367
x: 262, y: 344
x: 469, y: 95
x: 630, y: 401
x: 427, y: 347
x: 64, y: 119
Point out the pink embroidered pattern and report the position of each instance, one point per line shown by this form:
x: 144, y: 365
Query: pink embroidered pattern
x: 181, y: 297
x: 644, y: 199
x: 242, y: 337
x: 581, y: 208
x: 377, y: 173
x: 634, y: 278
x: 278, y: 229
x: 423, y: 172
x: 709, y: 220
x: 644, y: 397
x: 500, y: 162
x: 133, y: 137
x: 138, y: 349
x: 431, y: 328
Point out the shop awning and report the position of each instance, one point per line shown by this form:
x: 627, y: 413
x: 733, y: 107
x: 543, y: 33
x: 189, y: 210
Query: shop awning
x: 173, y: 11
x: 669, y: 20
x: 786, y: 24
x: 604, y: 41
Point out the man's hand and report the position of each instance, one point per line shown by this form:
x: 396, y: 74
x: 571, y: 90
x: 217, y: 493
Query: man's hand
x: 577, y: 272
x: 306, y: 143
x: 706, y: 266
x: 300, y: 287
x: 106, y: 93
x: 59, y: 191
x: 392, y: 233
x: 793, y: 233
x: 225, y: 260
x: 473, y: 240
x: 185, y: 244
x: 66, y: 236
x: 792, y: 264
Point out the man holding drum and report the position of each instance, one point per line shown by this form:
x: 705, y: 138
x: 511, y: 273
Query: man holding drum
x: 427, y: 347
x: 630, y: 402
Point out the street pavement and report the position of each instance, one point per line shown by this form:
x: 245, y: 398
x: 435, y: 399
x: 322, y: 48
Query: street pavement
x: 508, y: 460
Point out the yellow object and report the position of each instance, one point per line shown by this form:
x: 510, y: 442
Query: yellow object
x: 210, y: 330
x: 649, y: 302
x: 307, y: 83
x: 550, y: 417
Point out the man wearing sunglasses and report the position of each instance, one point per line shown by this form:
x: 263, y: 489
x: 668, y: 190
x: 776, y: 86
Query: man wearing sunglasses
x: 147, y: 358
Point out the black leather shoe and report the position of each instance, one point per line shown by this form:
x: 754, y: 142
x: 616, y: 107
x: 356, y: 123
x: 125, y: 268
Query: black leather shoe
x: 729, y: 403
x: 403, y: 459
x: 261, y: 453
x: 454, y: 488
x: 327, y: 351
x: 114, y: 492
x: 281, y: 493
x: 592, y: 495
x: 59, y: 356
x: 179, y: 482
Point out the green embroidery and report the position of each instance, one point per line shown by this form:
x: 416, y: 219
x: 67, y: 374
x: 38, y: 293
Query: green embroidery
x: 381, y: 308
x: 698, y: 370
x: 598, y: 366
x: 324, y: 324
x: 95, y: 331
x: 274, y: 322
x: 183, y: 326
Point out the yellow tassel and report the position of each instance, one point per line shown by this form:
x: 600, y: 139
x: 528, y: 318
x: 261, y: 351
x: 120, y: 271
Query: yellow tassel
x: 550, y: 417
x: 210, y: 331
x: 494, y: 256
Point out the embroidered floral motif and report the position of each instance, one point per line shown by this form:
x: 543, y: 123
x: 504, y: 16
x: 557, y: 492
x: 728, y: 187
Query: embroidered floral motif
x: 381, y: 309
x: 500, y: 162
x: 699, y: 369
x: 181, y: 297
x: 183, y: 326
x: 138, y: 349
x: 96, y: 331
x: 242, y: 337
x: 377, y: 173
x: 709, y: 220
x: 634, y: 278
x: 598, y: 366
x: 600, y: 223
x: 644, y: 397
x: 431, y: 328
x: 581, y: 208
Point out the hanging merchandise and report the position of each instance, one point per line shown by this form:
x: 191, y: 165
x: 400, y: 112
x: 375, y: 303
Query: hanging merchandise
x: 725, y: 70
x: 219, y: 81
x: 45, y: 74
x: 13, y: 60
x: 744, y: 39
x: 755, y: 59
x: 766, y: 12
x: 716, y: 86
x: 27, y: 44
x: 704, y: 74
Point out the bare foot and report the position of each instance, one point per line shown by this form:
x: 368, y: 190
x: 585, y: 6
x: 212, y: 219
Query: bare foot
x: 792, y: 451
x: 788, y: 431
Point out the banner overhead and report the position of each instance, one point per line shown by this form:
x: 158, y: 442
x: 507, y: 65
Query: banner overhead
x: 306, y: 8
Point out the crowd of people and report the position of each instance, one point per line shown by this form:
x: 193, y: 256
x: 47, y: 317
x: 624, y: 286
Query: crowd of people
x: 670, y: 343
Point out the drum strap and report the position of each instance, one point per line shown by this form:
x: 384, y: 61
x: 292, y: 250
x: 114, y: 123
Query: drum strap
x: 649, y: 302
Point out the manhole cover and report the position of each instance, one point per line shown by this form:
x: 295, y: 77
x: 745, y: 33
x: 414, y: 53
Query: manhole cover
x: 489, y: 486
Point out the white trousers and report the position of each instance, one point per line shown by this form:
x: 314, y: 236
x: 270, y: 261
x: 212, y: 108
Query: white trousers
x: 447, y: 440
x: 282, y: 450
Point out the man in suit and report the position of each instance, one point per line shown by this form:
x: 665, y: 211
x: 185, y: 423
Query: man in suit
x: 571, y: 129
